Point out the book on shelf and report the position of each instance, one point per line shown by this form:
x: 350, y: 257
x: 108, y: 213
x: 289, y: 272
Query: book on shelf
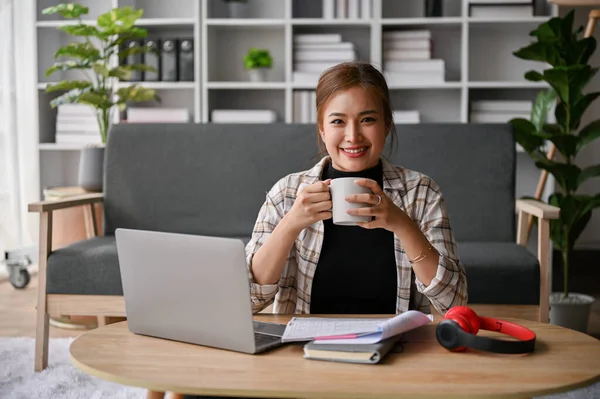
x: 353, y: 353
x: 315, y: 52
x: 304, y: 106
x: 77, y: 124
x: 346, y: 9
x: 157, y: 115
x: 407, y: 58
x: 406, y: 116
x: 499, y: 111
x: 243, y: 116
x: 501, y: 9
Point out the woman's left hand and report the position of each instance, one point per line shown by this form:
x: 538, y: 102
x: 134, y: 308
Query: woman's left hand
x: 386, y: 214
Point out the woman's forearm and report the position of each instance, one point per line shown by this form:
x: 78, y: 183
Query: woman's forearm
x: 268, y: 262
x: 416, y: 244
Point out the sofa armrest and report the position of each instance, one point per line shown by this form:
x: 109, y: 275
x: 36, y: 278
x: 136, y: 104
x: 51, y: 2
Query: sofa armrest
x: 537, y: 208
x: 544, y: 213
x: 48, y: 206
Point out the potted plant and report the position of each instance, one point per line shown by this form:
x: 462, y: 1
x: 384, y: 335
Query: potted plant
x: 99, y: 63
x: 258, y: 62
x: 237, y: 8
x: 567, y: 71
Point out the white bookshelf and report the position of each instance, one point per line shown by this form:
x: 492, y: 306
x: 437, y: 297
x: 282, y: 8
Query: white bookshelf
x: 477, y: 54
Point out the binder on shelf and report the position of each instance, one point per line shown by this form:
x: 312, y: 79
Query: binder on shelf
x: 168, y: 60
x: 132, y: 59
x: 185, y: 55
x: 152, y: 59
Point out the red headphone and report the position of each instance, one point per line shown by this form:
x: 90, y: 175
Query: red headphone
x: 458, y: 330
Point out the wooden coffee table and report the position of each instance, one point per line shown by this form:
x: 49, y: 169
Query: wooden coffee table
x: 564, y: 360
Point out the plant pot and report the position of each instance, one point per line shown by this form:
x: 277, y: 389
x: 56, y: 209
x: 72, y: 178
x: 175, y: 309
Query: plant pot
x: 237, y: 9
x: 258, y: 74
x: 572, y: 312
x: 91, y: 168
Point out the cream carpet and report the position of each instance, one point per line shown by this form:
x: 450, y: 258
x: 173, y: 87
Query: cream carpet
x: 61, y: 380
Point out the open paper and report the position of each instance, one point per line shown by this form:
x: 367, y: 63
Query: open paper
x: 352, y: 330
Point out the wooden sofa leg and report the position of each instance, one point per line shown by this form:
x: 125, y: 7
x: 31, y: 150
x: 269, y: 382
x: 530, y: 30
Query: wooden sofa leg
x: 544, y: 260
x: 42, y: 318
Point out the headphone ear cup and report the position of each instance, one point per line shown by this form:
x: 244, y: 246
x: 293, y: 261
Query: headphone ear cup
x: 447, y: 335
x: 464, y: 316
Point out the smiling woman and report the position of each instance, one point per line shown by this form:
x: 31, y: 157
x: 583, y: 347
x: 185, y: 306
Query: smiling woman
x: 403, y: 258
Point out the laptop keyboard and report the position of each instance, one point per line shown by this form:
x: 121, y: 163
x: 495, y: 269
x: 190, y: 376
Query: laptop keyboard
x: 262, y: 339
x: 269, y: 328
x: 267, y: 333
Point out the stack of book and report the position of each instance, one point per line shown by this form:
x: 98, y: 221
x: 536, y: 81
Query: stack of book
x: 346, y: 9
x: 499, y: 111
x: 157, y: 115
x: 407, y: 58
x: 243, y: 116
x: 501, y: 8
x: 406, y: 116
x: 77, y: 124
x: 315, y: 52
x: 352, y: 340
x: 305, y: 106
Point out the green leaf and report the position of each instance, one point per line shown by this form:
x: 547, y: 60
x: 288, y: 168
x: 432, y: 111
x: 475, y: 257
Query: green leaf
x: 68, y: 85
x: 566, y: 144
x: 67, y: 65
x: 541, y: 107
x: 133, y: 34
x: 82, y: 30
x: 120, y: 19
x: 566, y: 175
x: 126, y: 52
x: 100, y: 69
x: 136, y: 93
x: 525, y: 134
x: 568, y: 81
x: 584, y: 49
x: 67, y: 10
x: 579, y: 108
x: 78, y: 50
x: 589, y: 172
x: 98, y: 100
x: 69, y: 97
x: 120, y: 72
x: 139, y: 67
x: 534, y: 76
x: 588, y: 134
x: 541, y: 52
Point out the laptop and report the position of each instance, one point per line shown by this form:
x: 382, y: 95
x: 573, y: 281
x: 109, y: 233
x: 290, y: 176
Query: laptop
x: 192, y: 289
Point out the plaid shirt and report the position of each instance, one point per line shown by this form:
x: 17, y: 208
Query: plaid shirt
x: 416, y: 194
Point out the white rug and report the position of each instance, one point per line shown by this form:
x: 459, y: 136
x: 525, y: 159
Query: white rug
x: 61, y: 380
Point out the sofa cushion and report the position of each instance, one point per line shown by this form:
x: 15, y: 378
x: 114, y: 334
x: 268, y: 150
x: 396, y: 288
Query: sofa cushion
x: 88, y: 267
x: 500, y: 273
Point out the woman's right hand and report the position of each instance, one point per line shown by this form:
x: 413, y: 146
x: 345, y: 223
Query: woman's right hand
x: 312, y: 204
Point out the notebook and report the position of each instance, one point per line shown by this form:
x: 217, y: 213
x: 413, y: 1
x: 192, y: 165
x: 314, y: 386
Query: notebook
x: 352, y: 353
x: 341, y: 330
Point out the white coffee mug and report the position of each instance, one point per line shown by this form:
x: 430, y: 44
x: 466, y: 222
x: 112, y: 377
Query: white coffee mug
x: 341, y: 188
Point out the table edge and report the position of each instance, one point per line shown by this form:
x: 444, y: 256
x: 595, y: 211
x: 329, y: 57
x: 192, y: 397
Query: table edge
x: 165, y: 387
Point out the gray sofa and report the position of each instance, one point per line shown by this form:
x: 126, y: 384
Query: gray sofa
x: 211, y: 179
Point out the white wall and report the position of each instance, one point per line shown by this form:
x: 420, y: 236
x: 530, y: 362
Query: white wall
x: 590, y: 238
